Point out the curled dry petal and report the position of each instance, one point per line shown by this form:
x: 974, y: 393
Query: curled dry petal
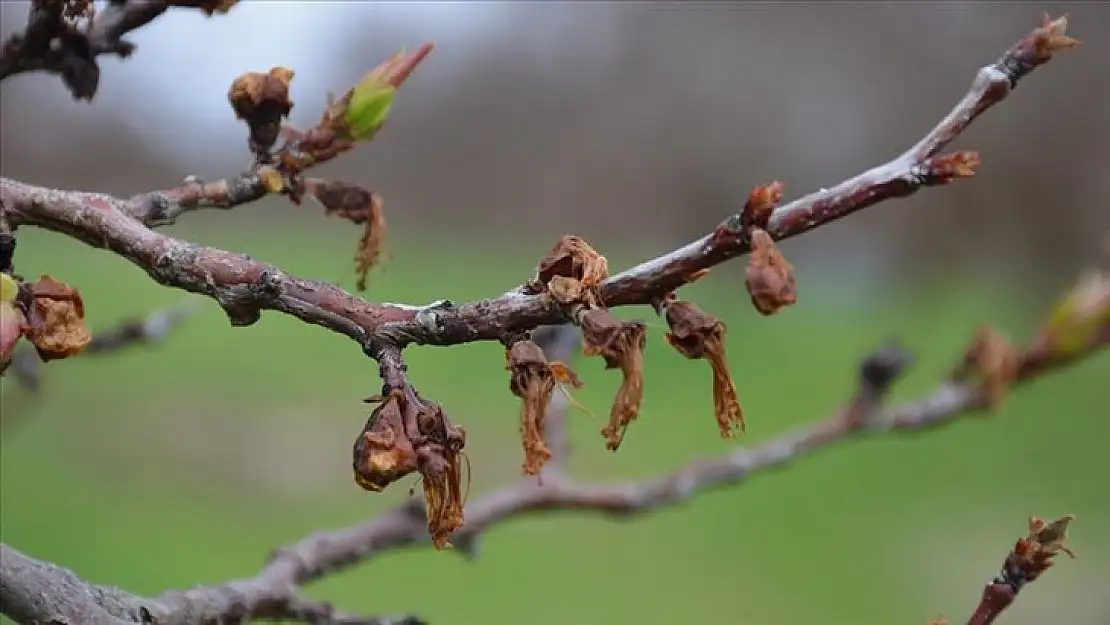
x: 621, y: 344
x: 441, y: 468
x: 56, y: 320
x: 573, y: 272
x: 360, y: 206
x: 769, y: 277
x: 1051, y: 537
x: 533, y: 379
x: 698, y: 335
x: 994, y: 359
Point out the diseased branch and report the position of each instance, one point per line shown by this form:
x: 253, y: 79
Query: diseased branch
x: 273, y: 592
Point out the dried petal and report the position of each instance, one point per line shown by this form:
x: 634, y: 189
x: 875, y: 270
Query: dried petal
x: 1051, y: 537
x: 383, y: 452
x: 360, y: 206
x: 441, y: 467
x: 698, y: 335
x: 621, y: 344
x: 769, y: 277
x: 533, y: 379
x: 56, y: 320
x: 994, y: 359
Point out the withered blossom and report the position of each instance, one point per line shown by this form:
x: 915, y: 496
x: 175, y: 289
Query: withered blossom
x: 359, y: 206
x: 533, y: 379
x: 56, y: 320
x: 769, y: 277
x: 698, y: 335
x: 994, y: 359
x: 621, y: 344
x: 573, y: 272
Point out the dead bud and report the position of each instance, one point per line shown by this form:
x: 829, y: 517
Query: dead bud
x: 572, y: 272
x: 1051, y: 38
x: 994, y: 359
x: 761, y: 203
x: 533, y: 380
x: 56, y: 320
x: 359, y: 206
x: 940, y: 170
x: 697, y: 335
x: 405, y: 434
x: 621, y: 344
x: 769, y: 276
x: 262, y: 101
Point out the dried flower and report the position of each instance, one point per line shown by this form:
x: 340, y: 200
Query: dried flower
x: 56, y: 320
x: 383, y: 452
x: 533, y: 379
x: 761, y: 203
x: 1051, y: 37
x: 769, y: 277
x: 573, y: 272
x: 698, y: 335
x: 262, y: 101
x: 621, y: 344
x: 994, y: 359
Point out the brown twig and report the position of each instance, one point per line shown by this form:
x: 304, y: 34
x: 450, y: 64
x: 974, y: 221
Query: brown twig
x: 56, y: 41
x: 51, y: 590
x: 245, y: 287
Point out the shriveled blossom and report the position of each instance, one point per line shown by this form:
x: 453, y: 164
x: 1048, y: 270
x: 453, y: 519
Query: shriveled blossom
x: 698, y: 335
x: 359, y: 206
x: 533, y: 380
x: 56, y: 320
x: 769, y: 277
x: 406, y: 434
x: 572, y: 272
x: 621, y: 344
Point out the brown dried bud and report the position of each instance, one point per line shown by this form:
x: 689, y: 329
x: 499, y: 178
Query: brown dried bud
x: 56, y: 320
x: 262, y: 100
x: 697, y: 335
x: 533, y: 380
x: 621, y: 344
x: 940, y: 170
x: 994, y: 359
x: 769, y: 277
x: 383, y: 452
x: 761, y: 203
x: 360, y: 206
x: 581, y: 268
x: 1051, y: 38
x: 441, y: 467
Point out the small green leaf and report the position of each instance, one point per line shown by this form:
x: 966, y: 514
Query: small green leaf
x: 368, y: 108
x: 9, y: 288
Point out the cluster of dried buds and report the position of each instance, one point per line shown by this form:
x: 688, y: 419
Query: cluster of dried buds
x: 261, y: 99
x: 405, y: 434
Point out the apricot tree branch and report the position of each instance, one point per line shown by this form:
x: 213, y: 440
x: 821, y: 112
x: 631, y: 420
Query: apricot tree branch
x: 244, y: 287
x: 64, y: 37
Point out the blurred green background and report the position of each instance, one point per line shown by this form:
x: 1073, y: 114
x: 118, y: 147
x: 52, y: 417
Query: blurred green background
x: 187, y: 462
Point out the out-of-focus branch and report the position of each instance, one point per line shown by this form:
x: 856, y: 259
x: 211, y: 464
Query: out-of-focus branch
x: 26, y: 366
x: 65, y: 37
x: 32, y: 589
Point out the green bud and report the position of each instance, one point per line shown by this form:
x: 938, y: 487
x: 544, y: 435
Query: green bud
x: 368, y: 107
x: 9, y: 288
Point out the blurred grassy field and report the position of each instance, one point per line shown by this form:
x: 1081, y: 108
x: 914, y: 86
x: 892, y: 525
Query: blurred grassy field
x: 187, y: 463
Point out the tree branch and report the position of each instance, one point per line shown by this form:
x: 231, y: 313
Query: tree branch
x: 245, y: 287
x: 63, y: 37
x: 31, y: 589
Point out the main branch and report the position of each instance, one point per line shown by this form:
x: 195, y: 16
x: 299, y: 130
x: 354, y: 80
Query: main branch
x: 244, y: 287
